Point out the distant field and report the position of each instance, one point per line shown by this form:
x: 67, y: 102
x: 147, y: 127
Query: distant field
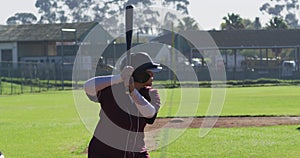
x: 274, y: 100
x: 48, y: 125
x: 7, y: 88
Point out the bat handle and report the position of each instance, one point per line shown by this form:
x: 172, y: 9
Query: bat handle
x: 128, y: 62
x: 127, y: 88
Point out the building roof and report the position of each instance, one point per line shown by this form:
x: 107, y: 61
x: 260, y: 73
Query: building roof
x: 238, y: 38
x: 43, y: 32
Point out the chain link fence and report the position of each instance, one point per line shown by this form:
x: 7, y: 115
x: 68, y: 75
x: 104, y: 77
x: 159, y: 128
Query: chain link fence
x: 27, y: 77
x: 34, y: 77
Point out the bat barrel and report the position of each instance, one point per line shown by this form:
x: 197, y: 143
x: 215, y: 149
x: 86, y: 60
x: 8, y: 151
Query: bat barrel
x: 129, y: 31
x: 129, y: 18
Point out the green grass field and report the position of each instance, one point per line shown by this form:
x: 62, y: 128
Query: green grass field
x: 48, y: 125
x: 40, y: 125
x: 275, y: 100
x: 262, y: 142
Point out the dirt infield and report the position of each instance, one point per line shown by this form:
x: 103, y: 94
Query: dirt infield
x: 225, y: 122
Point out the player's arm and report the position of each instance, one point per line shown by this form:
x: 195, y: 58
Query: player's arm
x: 155, y: 101
x: 146, y: 108
x: 95, y: 84
x: 98, y: 83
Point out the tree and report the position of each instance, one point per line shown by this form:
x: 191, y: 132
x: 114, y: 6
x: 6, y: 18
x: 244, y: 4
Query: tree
x: 235, y: 22
x: 276, y: 23
x: 108, y: 12
x: 180, y: 5
x: 21, y: 18
x: 87, y: 10
x: 48, y: 10
x: 232, y: 22
x: 168, y: 23
x: 147, y: 20
x: 187, y: 23
x: 249, y: 25
x: 252, y: 25
x: 53, y: 11
x: 285, y: 9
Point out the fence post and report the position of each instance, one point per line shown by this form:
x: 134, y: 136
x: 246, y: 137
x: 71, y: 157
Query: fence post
x: 0, y: 78
x: 22, y: 82
x: 11, y: 82
x: 0, y: 85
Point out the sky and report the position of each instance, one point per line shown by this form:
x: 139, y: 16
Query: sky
x: 208, y: 13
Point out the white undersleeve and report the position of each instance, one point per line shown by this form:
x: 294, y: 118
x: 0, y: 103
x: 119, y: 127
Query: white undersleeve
x: 144, y: 107
x: 95, y: 84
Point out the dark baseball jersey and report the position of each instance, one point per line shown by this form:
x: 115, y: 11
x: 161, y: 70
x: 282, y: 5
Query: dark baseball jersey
x: 120, y: 130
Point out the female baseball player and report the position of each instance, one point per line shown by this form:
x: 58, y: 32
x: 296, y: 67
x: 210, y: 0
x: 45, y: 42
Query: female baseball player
x: 123, y: 116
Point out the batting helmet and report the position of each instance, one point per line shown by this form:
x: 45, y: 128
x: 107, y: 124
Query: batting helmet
x: 142, y: 63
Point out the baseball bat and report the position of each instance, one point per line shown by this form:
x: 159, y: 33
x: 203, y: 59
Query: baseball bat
x: 129, y: 27
x: 128, y: 34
